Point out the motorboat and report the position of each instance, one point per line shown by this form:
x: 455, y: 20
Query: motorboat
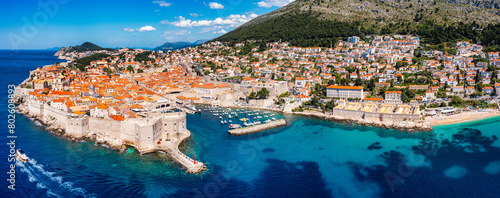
x: 234, y: 126
x: 21, y: 155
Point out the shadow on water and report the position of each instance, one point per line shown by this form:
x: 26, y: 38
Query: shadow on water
x: 457, y: 168
x: 278, y: 179
x: 301, y: 179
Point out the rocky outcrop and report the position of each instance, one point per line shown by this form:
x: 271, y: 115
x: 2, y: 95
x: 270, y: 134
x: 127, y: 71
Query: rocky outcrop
x: 402, y: 125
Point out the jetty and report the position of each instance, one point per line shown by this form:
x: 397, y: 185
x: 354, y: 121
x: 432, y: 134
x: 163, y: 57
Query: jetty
x: 172, y: 150
x: 257, y: 128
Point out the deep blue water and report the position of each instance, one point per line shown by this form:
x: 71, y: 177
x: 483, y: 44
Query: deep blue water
x: 307, y: 158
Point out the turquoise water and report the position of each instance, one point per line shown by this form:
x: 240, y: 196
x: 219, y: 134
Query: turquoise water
x: 306, y: 158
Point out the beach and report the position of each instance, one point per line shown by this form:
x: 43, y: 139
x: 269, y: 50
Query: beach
x: 462, y: 117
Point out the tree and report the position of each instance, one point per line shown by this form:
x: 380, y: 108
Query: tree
x: 252, y: 95
x: 130, y: 68
x: 456, y: 101
x: 263, y: 93
x: 330, y: 105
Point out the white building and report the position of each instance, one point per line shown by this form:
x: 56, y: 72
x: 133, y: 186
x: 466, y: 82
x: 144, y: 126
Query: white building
x: 334, y: 91
x: 393, y: 97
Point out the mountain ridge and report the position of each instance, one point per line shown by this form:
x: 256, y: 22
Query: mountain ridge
x: 317, y: 22
x: 179, y: 45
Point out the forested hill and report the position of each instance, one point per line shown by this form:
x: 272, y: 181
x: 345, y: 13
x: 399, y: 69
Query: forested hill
x: 317, y: 22
x: 86, y: 46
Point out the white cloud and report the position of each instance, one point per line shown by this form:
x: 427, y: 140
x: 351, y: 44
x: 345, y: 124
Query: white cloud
x: 128, y: 29
x: 194, y: 14
x: 176, y: 32
x: 162, y: 3
x: 215, y: 5
x: 164, y: 21
x: 271, y: 3
x: 146, y: 28
x: 233, y: 20
x: 220, y: 32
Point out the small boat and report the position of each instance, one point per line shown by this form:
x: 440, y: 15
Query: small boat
x: 267, y: 121
x: 21, y: 155
x: 259, y: 117
x: 230, y: 121
x: 273, y: 119
x: 220, y: 117
x: 222, y: 122
x: 236, y: 116
x: 225, y: 121
x: 230, y: 116
x: 258, y: 122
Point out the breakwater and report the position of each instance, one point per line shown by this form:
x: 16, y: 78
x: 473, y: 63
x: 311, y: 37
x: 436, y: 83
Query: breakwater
x: 257, y: 128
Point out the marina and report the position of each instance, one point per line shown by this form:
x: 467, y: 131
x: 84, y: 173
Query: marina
x: 261, y: 119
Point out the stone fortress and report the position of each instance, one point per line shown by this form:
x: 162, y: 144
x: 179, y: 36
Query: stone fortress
x: 155, y: 131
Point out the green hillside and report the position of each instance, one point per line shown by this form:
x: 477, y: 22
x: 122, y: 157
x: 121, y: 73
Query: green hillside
x: 88, y: 46
x: 317, y: 22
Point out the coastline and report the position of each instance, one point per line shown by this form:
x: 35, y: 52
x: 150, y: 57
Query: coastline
x: 408, y: 126
x: 463, y: 117
x: 171, y: 148
x: 402, y: 125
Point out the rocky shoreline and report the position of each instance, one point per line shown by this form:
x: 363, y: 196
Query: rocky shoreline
x: 408, y: 126
x: 50, y: 126
x: 59, y: 130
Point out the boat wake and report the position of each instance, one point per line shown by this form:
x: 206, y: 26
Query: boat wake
x: 45, y: 180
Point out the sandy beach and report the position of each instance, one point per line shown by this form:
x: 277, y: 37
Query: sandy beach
x: 462, y: 117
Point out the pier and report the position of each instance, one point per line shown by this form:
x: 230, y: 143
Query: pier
x: 172, y: 150
x: 257, y: 128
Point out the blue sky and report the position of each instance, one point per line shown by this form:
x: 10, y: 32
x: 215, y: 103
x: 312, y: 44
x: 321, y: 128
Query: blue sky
x: 34, y: 24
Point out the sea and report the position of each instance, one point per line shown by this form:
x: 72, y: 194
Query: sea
x: 306, y: 158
